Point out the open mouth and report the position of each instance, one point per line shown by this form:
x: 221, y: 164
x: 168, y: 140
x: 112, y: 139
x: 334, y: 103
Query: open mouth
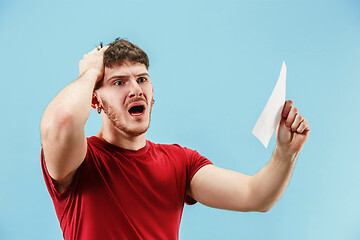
x: 136, y: 110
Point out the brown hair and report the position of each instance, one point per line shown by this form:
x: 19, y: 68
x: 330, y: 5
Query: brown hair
x: 120, y: 50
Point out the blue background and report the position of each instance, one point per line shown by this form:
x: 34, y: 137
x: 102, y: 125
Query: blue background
x: 213, y: 67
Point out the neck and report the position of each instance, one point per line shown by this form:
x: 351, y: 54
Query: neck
x: 121, y: 139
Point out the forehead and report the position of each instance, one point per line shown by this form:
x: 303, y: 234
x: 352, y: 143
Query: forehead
x: 126, y: 69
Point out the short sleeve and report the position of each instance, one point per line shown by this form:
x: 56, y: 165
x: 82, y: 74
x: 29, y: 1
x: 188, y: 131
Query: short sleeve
x: 195, y: 161
x: 50, y: 182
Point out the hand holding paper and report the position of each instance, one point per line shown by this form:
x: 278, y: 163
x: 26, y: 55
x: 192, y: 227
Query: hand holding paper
x: 293, y: 129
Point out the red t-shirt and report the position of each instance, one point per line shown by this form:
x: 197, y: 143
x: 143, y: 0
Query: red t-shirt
x: 125, y: 194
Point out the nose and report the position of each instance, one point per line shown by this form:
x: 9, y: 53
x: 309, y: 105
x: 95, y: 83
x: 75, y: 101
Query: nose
x: 135, y: 90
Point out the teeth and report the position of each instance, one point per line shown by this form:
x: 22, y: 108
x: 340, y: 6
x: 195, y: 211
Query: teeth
x: 136, y: 110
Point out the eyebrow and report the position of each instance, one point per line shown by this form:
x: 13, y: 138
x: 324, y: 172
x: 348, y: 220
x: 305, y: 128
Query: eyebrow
x: 125, y: 76
x: 143, y: 74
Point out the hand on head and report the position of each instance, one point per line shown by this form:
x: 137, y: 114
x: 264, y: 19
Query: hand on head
x: 93, y: 62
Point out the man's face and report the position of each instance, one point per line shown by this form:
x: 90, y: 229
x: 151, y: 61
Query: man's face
x: 126, y: 96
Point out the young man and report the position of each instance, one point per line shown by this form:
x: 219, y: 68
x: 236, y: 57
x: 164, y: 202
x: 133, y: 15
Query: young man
x: 118, y: 185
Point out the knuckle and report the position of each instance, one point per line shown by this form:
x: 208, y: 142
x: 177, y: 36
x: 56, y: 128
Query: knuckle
x: 288, y: 123
x: 300, y: 130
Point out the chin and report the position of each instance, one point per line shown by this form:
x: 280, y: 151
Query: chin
x: 135, y: 132
x: 132, y: 131
x: 128, y: 126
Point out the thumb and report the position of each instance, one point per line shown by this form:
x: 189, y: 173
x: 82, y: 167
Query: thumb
x: 284, y: 133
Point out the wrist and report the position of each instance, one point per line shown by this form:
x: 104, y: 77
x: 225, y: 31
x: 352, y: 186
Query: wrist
x: 285, y: 155
x: 92, y: 75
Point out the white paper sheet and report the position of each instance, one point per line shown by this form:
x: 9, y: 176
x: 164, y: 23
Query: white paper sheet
x: 271, y: 115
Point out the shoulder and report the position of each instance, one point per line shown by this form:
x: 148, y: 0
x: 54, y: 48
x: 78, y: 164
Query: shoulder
x: 175, y: 150
x: 94, y: 141
x: 96, y: 144
x: 168, y: 147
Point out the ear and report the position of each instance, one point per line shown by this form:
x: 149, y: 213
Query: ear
x: 95, y: 103
x: 152, y: 100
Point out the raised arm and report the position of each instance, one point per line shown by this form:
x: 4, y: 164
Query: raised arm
x: 62, y: 125
x: 225, y: 189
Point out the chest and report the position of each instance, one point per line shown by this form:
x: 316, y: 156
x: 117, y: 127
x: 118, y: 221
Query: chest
x: 143, y: 180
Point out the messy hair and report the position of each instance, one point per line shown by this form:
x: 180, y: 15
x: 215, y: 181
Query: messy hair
x: 121, y: 50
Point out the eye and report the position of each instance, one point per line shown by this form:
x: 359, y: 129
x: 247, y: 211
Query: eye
x: 141, y: 80
x: 118, y: 83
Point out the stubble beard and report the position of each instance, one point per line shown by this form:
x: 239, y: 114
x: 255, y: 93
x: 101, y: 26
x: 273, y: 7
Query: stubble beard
x: 114, y: 117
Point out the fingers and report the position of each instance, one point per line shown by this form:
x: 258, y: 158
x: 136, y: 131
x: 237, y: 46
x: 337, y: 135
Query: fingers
x: 286, y: 109
x: 291, y: 116
x: 96, y: 51
x: 297, y: 121
x: 303, y: 127
x: 293, y: 119
x: 93, y: 60
x: 104, y: 48
x: 100, y: 49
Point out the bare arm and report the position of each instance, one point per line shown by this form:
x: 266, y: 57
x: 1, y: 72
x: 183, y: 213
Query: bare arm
x: 62, y: 125
x: 225, y: 189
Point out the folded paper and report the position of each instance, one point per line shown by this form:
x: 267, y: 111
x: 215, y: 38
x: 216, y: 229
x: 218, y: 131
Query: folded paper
x: 271, y: 115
